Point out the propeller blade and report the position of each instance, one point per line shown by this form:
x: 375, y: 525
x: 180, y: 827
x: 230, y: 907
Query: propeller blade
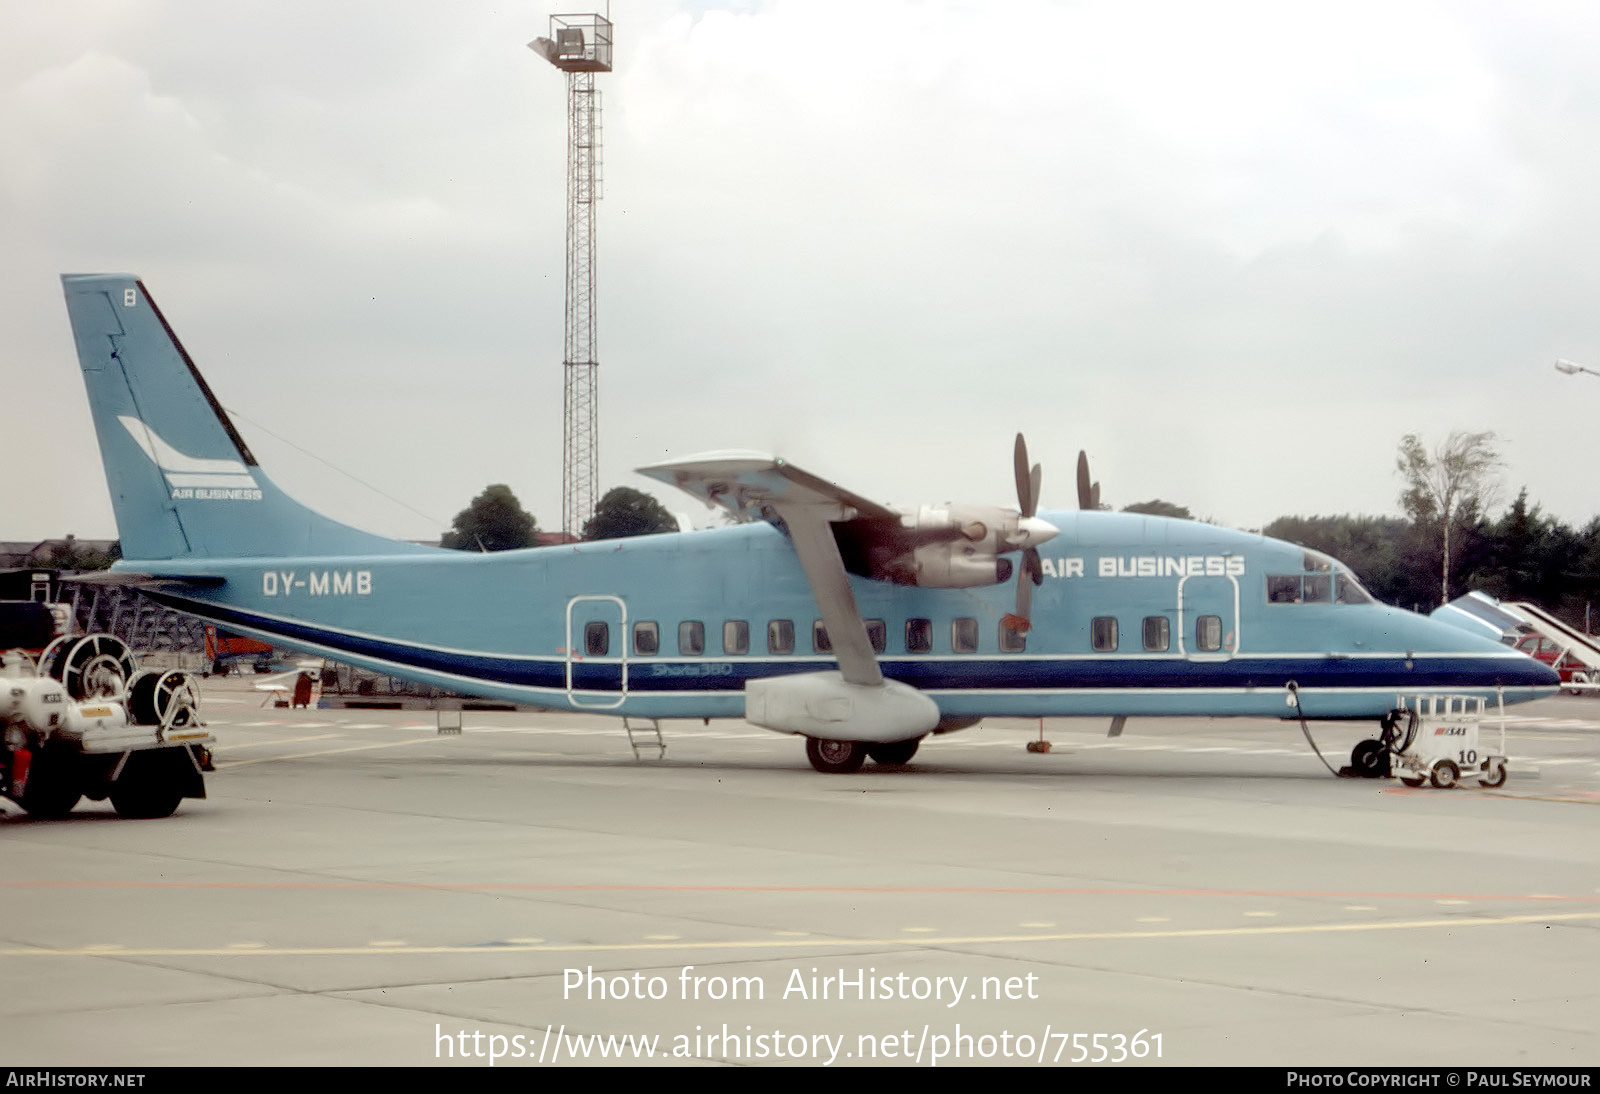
x: 1094, y: 496
x: 1024, y: 483
x: 1086, y: 498
x: 1023, y: 623
x: 1031, y: 574
x: 1035, y: 479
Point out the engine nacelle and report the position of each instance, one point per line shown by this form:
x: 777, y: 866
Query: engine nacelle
x: 937, y: 547
x: 957, y: 565
x: 824, y: 705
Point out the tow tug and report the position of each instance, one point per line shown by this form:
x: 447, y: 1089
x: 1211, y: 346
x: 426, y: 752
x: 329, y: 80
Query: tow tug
x: 85, y: 722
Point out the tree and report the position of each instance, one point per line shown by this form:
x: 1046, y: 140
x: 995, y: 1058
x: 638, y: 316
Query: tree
x: 1159, y: 508
x: 1372, y: 547
x: 495, y: 521
x: 628, y: 512
x: 69, y: 554
x: 1456, y: 479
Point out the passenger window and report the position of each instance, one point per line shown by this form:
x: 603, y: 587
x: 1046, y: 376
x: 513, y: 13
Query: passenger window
x: 780, y: 636
x: 596, y: 639
x: 878, y: 635
x: 1103, y: 633
x: 1157, y: 633
x: 819, y: 637
x: 736, y: 637
x: 919, y: 636
x: 964, y: 636
x: 1208, y: 632
x: 646, y: 639
x: 1011, y: 641
x: 691, y: 637
x: 1319, y: 589
x: 1283, y: 589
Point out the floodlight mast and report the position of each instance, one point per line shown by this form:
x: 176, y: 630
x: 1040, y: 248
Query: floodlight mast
x: 580, y: 45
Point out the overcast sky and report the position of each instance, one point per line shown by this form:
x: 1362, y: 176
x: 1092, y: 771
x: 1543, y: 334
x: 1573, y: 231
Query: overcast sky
x: 1234, y: 250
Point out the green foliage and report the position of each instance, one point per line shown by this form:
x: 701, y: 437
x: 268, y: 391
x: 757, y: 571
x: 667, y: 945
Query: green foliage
x: 69, y: 554
x: 495, y: 521
x: 628, y: 512
x: 1380, y: 551
x: 1159, y: 508
x: 1521, y: 555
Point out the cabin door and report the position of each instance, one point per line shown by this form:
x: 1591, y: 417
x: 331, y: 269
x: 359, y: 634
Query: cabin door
x: 597, y: 651
x: 1208, y: 617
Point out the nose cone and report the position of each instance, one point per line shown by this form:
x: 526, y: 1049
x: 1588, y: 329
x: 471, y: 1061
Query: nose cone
x: 1032, y: 531
x: 1545, y: 675
x: 1498, y: 665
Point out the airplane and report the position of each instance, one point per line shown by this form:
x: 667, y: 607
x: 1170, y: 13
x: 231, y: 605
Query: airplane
x: 820, y: 613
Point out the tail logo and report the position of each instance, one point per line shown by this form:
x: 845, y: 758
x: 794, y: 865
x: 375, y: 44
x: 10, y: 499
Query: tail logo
x: 191, y: 478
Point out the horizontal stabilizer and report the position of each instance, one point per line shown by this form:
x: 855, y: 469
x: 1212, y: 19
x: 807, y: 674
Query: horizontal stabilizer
x: 138, y: 580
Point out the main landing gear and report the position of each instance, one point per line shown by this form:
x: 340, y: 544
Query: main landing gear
x: 848, y: 757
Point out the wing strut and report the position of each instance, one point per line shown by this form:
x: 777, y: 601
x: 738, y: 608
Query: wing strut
x: 812, y: 535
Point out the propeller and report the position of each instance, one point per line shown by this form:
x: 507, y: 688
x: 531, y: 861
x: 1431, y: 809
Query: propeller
x: 1088, y: 492
x: 1030, y: 531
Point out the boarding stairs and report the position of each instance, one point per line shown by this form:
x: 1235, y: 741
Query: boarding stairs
x: 1579, y: 647
x: 645, y: 733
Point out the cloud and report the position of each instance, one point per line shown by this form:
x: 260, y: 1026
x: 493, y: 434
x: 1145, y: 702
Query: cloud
x: 1233, y: 250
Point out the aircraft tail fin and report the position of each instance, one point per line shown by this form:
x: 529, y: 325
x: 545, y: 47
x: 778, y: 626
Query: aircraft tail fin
x: 183, y: 483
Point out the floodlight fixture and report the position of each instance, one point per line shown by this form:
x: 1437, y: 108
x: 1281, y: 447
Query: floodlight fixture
x: 577, y: 43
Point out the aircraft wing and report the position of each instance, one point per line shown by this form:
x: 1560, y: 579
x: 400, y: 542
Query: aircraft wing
x: 752, y: 486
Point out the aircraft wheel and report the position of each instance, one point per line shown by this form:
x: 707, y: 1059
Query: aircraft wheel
x: 835, y: 757
x: 1370, y: 759
x: 1412, y: 782
x: 1445, y: 774
x: 900, y: 752
x: 146, y: 800
x: 1494, y: 775
x: 1038, y: 746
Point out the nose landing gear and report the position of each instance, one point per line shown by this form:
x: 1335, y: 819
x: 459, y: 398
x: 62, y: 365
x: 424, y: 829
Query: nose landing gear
x: 1374, y: 758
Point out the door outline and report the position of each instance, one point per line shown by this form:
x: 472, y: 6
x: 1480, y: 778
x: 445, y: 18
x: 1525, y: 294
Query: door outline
x: 1184, y: 622
x: 622, y: 641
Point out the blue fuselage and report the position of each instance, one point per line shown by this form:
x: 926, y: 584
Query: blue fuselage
x: 1136, y: 616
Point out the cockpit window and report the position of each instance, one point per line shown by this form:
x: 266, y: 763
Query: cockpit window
x: 1283, y: 589
x: 1347, y: 590
x: 1318, y: 589
x: 1339, y: 587
x: 1316, y: 562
